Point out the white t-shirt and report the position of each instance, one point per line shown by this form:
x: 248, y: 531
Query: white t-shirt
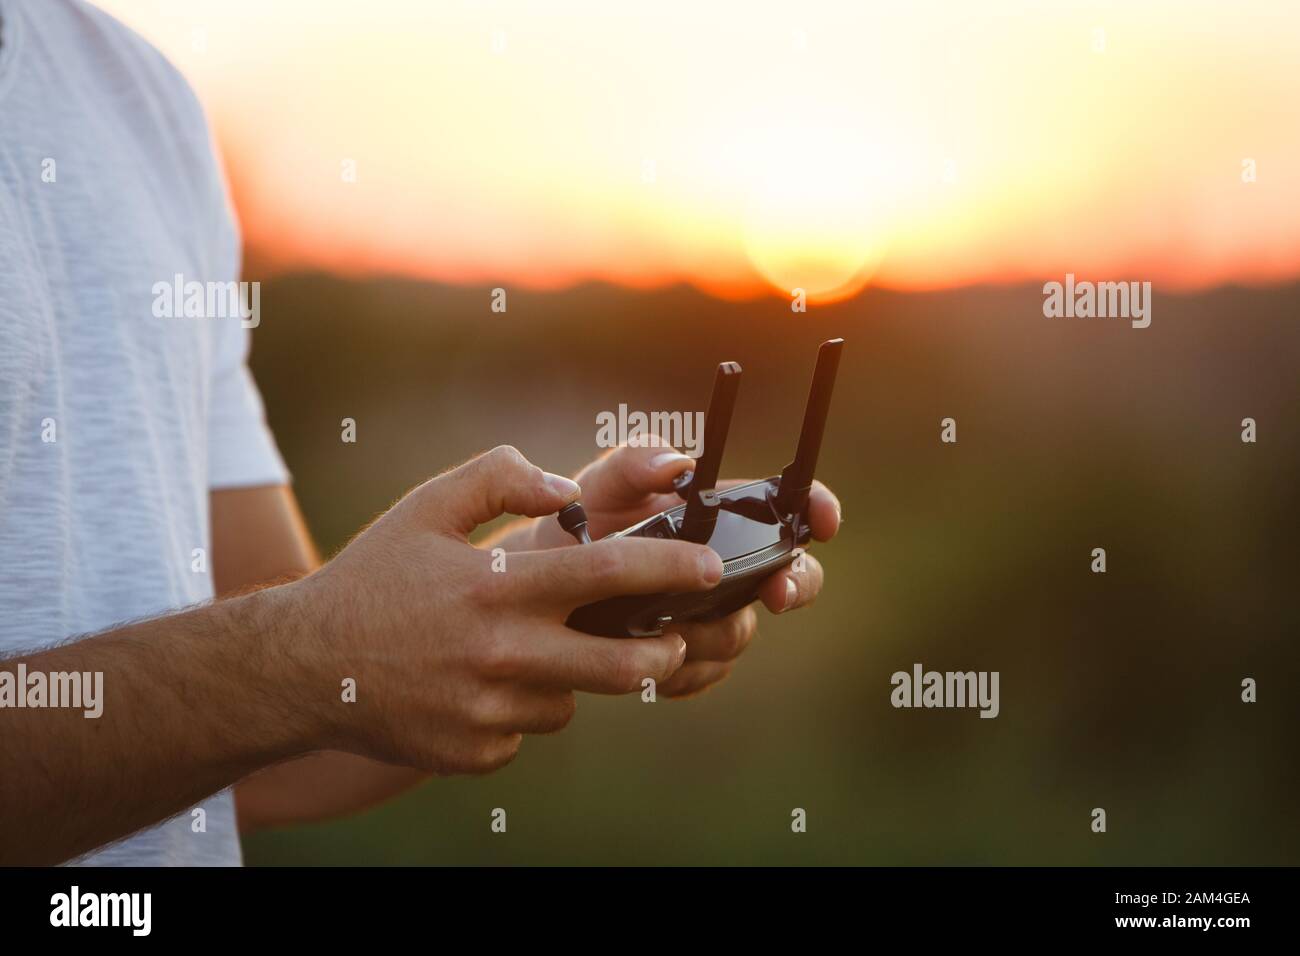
x: 114, y: 423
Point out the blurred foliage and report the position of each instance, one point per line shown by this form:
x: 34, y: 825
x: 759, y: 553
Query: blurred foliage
x: 1119, y: 690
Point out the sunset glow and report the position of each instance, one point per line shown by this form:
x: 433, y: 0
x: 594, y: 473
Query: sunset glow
x: 745, y: 148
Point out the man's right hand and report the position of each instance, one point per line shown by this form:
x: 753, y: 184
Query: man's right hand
x: 453, y: 660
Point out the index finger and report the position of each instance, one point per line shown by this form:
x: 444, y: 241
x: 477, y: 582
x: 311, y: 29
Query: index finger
x: 569, y: 577
x: 560, y: 657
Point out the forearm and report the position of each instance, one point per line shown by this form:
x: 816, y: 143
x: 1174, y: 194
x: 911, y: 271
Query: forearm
x: 320, y: 786
x: 192, y: 702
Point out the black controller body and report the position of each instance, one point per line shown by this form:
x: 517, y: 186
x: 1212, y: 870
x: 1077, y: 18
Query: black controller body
x: 753, y: 541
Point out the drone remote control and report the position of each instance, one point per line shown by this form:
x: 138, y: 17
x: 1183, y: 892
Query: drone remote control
x: 755, y: 528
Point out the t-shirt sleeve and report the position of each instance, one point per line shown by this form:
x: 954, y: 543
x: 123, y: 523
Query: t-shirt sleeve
x: 241, y: 449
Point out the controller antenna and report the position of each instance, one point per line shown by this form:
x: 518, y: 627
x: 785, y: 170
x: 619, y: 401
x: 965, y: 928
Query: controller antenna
x: 796, y: 478
x: 573, y: 519
x: 702, y: 501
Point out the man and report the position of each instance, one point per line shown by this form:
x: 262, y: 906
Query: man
x: 133, y: 450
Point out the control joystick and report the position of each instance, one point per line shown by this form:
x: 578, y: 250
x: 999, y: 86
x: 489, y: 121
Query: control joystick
x: 573, y: 519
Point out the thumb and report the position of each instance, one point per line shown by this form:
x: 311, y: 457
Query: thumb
x: 501, y: 481
x: 630, y: 473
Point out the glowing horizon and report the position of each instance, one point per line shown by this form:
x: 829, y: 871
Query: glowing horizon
x: 745, y: 150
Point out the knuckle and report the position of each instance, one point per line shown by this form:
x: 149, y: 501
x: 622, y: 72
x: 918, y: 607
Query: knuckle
x: 502, y: 460
x: 558, y: 714
x: 704, y: 678
x: 739, y: 632
x: 427, y: 488
x: 607, y: 564
x: 731, y: 644
x: 816, y: 573
x: 488, y: 709
x: 481, y: 586
x: 478, y: 592
x: 498, y: 658
x: 629, y: 671
x: 808, y: 584
x: 497, y: 753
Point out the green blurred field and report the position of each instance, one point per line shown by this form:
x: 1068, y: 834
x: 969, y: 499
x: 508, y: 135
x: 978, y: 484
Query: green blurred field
x: 1118, y: 690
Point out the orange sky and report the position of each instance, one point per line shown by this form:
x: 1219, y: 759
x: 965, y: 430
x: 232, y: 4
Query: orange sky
x: 745, y: 147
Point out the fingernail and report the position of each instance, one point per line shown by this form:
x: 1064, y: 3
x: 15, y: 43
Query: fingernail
x: 791, y: 594
x: 663, y: 458
x: 710, y: 566
x: 566, y: 488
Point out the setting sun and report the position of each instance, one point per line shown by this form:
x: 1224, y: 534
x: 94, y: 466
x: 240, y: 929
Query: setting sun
x: 822, y: 147
x: 820, y: 204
